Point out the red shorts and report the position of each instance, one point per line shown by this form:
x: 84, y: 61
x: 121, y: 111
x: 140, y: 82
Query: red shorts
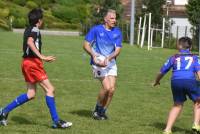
x: 33, y: 70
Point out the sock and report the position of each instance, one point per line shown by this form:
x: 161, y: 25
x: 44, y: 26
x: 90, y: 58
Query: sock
x: 15, y: 103
x: 52, y: 108
x: 103, y: 111
x: 98, y: 107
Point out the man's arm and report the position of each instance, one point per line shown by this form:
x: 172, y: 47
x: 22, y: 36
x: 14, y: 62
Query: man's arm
x: 88, y: 49
x: 158, y: 78
x: 115, y: 54
x: 31, y: 44
x: 198, y: 75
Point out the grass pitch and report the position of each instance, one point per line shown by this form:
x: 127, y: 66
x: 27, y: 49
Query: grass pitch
x: 136, y: 108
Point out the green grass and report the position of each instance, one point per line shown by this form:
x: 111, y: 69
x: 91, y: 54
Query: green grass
x: 137, y: 108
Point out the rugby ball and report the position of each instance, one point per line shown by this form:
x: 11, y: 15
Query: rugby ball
x: 100, y: 58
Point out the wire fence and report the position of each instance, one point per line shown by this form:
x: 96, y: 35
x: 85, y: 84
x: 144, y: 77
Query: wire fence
x: 172, y: 34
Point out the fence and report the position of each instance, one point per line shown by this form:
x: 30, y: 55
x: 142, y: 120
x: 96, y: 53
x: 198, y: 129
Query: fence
x: 172, y: 34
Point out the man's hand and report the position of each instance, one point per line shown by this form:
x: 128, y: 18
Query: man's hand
x: 48, y: 58
x: 156, y: 83
x: 99, y: 63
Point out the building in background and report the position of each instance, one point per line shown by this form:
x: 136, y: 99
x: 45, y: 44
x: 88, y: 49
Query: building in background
x: 175, y: 10
x: 178, y: 18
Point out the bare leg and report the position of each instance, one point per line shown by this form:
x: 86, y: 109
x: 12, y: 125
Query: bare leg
x: 197, y: 113
x: 104, y: 90
x: 31, y: 90
x: 48, y: 87
x: 50, y: 101
x: 173, y: 114
x: 108, y: 98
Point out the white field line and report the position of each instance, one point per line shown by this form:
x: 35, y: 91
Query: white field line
x: 11, y: 51
x: 82, y: 53
x: 58, y: 80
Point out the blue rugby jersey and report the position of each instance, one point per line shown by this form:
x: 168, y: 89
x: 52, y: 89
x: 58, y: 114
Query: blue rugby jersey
x: 184, y: 65
x: 104, y: 41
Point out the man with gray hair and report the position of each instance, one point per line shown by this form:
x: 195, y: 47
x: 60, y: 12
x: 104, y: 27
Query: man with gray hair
x: 103, y: 43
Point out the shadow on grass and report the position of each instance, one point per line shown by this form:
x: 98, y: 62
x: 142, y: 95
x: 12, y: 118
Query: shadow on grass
x: 82, y: 113
x: 25, y: 121
x: 22, y: 120
x: 161, y: 126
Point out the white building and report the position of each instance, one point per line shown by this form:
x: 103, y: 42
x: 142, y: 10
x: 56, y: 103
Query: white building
x: 180, y: 23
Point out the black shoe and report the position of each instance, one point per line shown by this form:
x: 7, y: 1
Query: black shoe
x: 104, y: 117
x: 3, y: 117
x: 62, y: 124
x: 98, y: 116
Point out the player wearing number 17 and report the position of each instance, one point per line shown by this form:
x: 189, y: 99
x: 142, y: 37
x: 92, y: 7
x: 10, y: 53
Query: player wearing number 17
x: 185, y: 66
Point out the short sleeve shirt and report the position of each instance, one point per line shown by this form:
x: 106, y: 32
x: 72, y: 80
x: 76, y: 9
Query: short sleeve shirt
x: 33, y: 32
x: 104, y: 41
x: 184, y: 65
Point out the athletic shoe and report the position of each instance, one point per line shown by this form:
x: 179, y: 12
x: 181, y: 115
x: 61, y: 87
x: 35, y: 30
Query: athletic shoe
x: 98, y: 116
x: 196, y: 129
x: 62, y: 124
x: 104, y: 117
x: 167, y: 132
x: 3, y: 117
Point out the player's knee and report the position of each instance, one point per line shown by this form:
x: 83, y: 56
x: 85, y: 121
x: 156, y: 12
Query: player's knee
x: 111, y: 91
x: 178, y: 104
x: 51, y: 90
x: 31, y: 95
x: 107, y: 89
x: 197, y: 102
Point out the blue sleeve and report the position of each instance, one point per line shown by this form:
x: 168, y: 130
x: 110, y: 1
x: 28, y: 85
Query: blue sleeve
x: 91, y: 35
x: 196, y: 64
x: 167, y: 65
x: 119, y: 40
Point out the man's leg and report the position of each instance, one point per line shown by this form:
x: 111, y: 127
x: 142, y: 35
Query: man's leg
x: 173, y: 114
x: 50, y: 101
x: 21, y: 99
x: 196, y: 108
x: 105, y: 95
x: 108, y: 98
x: 101, y: 97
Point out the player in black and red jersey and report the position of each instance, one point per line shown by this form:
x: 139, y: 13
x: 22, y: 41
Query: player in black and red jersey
x: 33, y: 71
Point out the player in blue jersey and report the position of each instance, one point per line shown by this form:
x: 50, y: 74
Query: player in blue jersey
x: 103, y: 43
x: 185, y: 67
x: 33, y: 71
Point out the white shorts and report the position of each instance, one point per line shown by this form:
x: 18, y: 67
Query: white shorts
x: 99, y: 72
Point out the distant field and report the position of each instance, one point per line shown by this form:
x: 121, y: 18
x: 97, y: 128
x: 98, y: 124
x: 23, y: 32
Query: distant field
x: 137, y: 108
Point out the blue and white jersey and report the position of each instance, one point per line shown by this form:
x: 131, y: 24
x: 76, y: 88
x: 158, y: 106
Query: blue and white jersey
x: 184, y: 65
x: 104, y: 41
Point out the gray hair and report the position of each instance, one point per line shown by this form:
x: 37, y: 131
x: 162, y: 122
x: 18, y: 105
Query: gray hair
x: 109, y: 11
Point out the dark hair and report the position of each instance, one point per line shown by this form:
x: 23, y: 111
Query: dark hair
x: 185, y: 42
x: 34, y: 16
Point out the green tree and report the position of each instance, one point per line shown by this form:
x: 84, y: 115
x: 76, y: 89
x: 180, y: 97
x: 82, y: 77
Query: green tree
x: 193, y: 12
x: 155, y: 7
x: 99, y: 7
